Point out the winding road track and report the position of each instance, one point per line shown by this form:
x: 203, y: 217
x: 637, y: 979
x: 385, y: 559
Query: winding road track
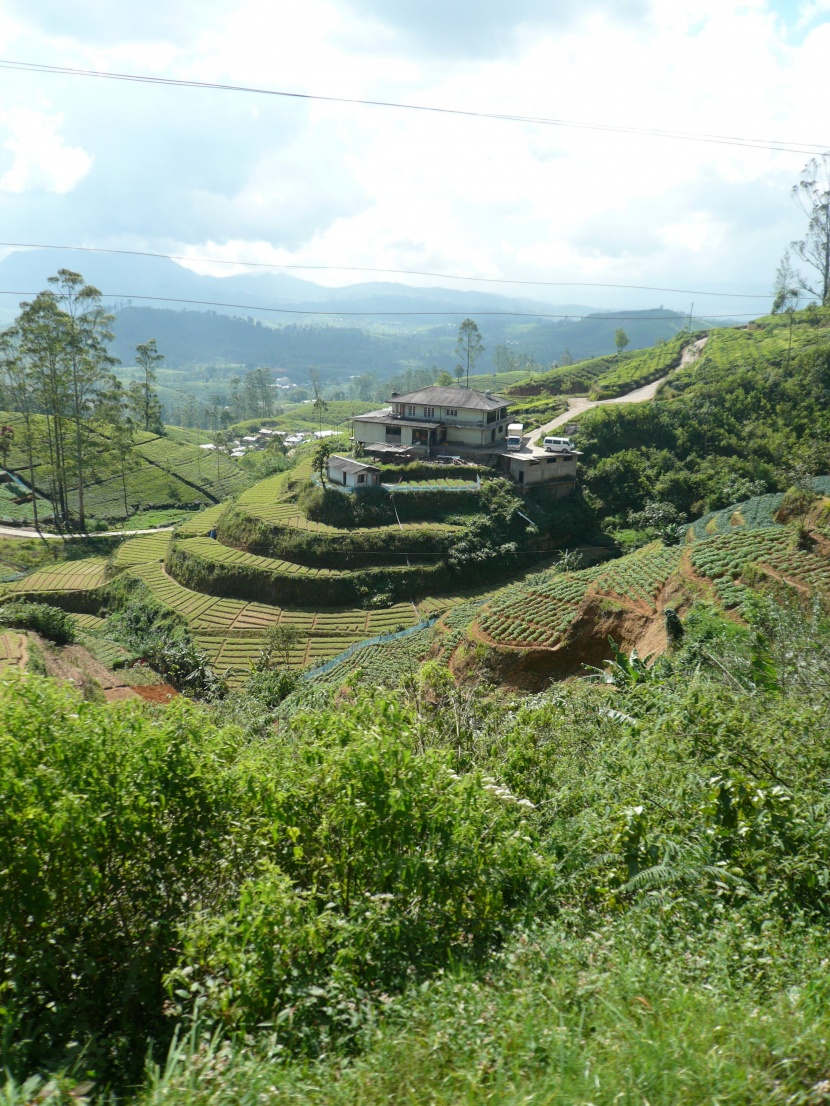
x: 639, y: 395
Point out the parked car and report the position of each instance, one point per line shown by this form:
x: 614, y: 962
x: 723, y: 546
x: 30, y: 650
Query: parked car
x: 559, y: 445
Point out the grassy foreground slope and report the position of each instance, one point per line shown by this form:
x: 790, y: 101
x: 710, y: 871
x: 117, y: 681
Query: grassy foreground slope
x: 611, y: 892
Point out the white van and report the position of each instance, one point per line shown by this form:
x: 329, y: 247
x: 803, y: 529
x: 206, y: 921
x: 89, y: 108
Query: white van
x: 559, y: 445
x: 515, y: 430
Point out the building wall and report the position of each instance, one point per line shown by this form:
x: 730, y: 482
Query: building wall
x: 547, y: 469
x: 370, y: 433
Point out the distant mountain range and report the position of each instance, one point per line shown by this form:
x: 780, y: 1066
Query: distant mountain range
x: 364, y: 327
x: 125, y: 279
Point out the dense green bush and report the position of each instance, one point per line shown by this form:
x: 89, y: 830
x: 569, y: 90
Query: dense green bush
x: 376, y: 864
x: 43, y: 618
x: 294, y: 589
x: 111, y: 828
x: 379, y: 507
x: 387, y: 866
x: 320, y: 550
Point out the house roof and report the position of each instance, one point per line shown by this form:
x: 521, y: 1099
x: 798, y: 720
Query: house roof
x: 346, y: 464
x: 468, y: 398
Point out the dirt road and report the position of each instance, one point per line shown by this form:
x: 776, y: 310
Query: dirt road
x: 639, y: 395
x: 24, y: 532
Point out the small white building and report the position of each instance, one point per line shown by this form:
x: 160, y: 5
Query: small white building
x: 344, y: 472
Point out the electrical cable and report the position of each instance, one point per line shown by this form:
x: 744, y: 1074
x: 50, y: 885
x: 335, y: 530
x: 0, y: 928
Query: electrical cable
x: 779, y: 145
x: 393, y: 314
x: 399, y: 272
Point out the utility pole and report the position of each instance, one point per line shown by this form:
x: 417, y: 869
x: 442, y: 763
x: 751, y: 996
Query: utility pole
x: 691, y: 309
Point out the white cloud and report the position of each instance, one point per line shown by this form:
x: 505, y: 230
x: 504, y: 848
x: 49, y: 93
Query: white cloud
x: 41, y: 160
x: 237, y: 176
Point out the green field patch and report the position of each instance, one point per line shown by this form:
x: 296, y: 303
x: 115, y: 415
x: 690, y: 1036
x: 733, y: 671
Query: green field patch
x: 539, y: 611
x: 141, y: 549
x: 12, y: 649
x: 214, y: 551
x: 66, y: 576
x: 201, y: 524
x: 88, y: 623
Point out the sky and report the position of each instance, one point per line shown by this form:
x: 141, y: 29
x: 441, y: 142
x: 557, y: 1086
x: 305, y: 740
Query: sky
x: 243, y: 177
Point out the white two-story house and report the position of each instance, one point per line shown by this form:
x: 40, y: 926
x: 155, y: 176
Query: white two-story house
x: 435, y: 416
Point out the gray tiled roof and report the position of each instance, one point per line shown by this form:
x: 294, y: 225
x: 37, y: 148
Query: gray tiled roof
x: 346, y: 464
x: 452, y: 397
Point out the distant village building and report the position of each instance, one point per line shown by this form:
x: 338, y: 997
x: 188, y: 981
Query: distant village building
x: 435, y: 417
x: 344, y: 472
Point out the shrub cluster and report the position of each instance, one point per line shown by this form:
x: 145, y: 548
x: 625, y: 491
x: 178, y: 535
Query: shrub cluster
x: 377, y: 506
x: 320, y: 550
x: 51, y: 622
x: 291, y: 882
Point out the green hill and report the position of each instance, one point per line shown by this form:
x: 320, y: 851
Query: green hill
x: 159, y: 472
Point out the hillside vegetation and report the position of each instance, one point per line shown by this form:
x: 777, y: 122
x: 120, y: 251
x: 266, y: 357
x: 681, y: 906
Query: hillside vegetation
x: 445, y: 809
x: 746, y: 417
x: 610, y: 886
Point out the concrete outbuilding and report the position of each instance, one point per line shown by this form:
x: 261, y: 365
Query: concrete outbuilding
x: 344, y: 472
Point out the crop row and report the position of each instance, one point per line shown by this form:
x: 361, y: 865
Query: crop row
x: 381, y: 664
x: 640, y: 576
x: 240, y: 653
x: 67, y: 576
x: 726, y: 554
x: 207, y: 612
x: 545, y: 628
x: 801, y: 566
x: 540, y: 610
x: 141, y: 549
x: 201, y: 523
x: 214, y: 551
x: 12, y: 649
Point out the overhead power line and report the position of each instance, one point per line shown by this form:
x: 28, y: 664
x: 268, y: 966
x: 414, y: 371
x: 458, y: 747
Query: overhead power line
x: 399, y: 272
x: 780, y: 145
x: 393, y: 314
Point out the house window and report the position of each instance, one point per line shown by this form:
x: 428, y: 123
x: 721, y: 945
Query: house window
x: 429, y: 412
x: 361, y: 478
x: 393, y: 432
x: 452, y: 412
x: 410, y: 410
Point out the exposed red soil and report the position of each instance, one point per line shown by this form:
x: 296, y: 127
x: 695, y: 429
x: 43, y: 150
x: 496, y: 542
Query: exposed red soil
x: 155, y: 693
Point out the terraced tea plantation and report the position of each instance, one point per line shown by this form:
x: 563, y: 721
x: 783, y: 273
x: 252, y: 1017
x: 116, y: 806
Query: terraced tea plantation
x: 141, y: 549
x: 539, y: 611
x: 67, y: 576
x: 223, y: 554
x: 232, y: 632
x: 724, y: 558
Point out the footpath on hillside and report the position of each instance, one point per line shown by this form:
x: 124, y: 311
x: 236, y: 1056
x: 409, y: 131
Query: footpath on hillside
x: 639, y: 395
